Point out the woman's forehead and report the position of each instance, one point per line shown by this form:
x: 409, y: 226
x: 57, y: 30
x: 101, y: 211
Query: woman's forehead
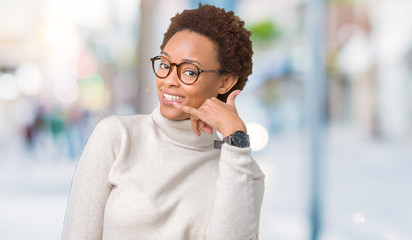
x: 187, y: 45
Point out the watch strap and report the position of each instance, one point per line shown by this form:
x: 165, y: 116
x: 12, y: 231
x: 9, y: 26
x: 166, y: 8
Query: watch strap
x: 218, y: 144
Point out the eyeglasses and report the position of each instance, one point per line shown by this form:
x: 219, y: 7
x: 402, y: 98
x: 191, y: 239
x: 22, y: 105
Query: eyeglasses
x: 188, y: 73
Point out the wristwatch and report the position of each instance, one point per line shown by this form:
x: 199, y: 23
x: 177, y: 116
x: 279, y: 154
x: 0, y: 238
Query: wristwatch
x: 238, y: 139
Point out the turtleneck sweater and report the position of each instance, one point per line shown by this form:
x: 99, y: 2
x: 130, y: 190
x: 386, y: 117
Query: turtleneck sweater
x: 147, y: 177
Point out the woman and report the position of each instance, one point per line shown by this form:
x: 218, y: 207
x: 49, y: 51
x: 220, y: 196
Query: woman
x: 157, y: 176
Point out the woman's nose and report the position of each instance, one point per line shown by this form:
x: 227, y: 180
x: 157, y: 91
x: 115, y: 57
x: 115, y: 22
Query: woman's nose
x: 172, y: 79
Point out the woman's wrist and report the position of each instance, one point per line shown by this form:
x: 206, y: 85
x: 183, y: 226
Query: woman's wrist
x: 234, y: 128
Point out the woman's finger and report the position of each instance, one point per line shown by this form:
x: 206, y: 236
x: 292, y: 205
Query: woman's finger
x: 190, y: 110
x: 231, y: 98
x: 195, y: 126
x: 203, y: 126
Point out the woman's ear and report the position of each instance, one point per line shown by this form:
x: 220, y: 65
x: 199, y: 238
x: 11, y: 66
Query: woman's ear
x: 228, y: 81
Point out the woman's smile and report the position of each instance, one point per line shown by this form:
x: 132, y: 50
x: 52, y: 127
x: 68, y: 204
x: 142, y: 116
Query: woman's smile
x: 170, y: 97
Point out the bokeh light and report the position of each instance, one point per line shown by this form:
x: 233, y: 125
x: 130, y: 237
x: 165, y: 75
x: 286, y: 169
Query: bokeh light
x: 91, y: 88
x: 93, y: 94
x: 358, y: 217
x: 67, y: 96
x: 9, y: 89
x: 29, y: 79
x: 259, y: 136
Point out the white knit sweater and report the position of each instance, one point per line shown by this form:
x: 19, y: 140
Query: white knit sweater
x: 147, y: 177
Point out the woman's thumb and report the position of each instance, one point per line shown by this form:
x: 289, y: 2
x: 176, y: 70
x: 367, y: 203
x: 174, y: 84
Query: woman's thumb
x: 231, y: 98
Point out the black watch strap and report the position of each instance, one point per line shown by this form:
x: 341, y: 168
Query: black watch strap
x: 218, y: 143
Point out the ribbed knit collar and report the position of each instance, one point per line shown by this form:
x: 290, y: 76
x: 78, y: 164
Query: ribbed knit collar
x: 181, y: 131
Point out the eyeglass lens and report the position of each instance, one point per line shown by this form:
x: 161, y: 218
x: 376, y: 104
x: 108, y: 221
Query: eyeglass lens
x: 186, y: 72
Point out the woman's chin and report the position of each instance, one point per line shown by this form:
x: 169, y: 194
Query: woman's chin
x: 172, y: 113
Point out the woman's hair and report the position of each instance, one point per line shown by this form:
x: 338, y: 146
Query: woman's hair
x: 227, y: 31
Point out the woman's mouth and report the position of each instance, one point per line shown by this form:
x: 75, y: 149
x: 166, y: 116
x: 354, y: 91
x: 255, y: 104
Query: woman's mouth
x: 169, y: 98
x: 172, y: 97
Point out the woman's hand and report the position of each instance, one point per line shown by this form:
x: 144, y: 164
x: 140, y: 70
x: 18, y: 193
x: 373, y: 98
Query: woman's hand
x: 216, y: 114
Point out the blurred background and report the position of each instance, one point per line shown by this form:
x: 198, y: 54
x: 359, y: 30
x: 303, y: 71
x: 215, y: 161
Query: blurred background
x: 328, y: 107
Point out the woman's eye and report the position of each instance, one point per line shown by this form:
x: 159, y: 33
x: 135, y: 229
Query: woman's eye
x: 190, y: 73
x: 164, y: 66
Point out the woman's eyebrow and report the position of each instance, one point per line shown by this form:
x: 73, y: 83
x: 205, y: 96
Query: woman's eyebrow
x: 184, y: 60
x: 192, y: 61
x: 165, y: 53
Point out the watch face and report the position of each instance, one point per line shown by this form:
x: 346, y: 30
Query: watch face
x: 240, y: 139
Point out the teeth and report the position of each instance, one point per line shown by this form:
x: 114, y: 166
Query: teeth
x: 171, y: 97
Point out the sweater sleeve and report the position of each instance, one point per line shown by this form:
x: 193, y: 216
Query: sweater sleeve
x: 90, y: 187
x: 239, y: 194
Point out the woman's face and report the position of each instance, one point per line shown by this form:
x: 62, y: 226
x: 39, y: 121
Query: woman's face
x: 186, y: 46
